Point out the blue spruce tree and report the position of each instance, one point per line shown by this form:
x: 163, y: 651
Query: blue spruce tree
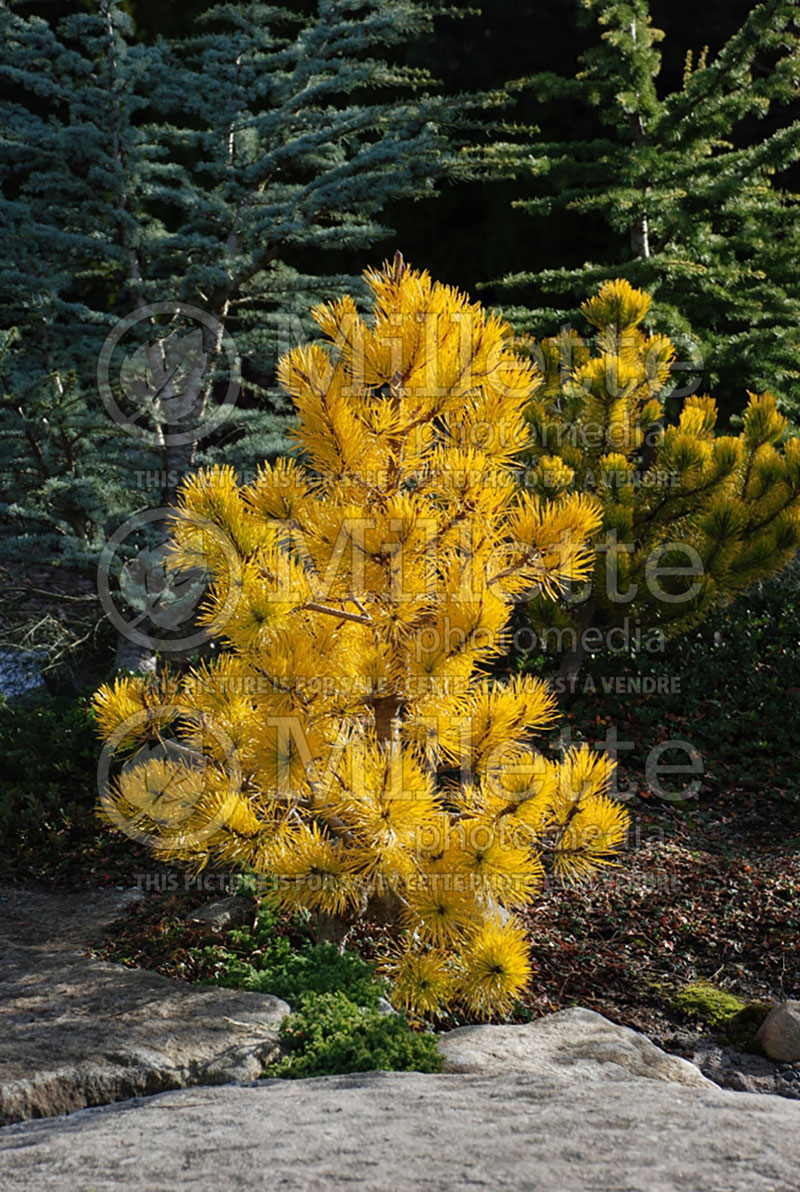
x: 228, y: 172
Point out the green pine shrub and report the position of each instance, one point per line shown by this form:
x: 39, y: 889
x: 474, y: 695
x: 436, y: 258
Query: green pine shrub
x: 329, y: 1035
x: 337, y: 1025
x: 262, y: 960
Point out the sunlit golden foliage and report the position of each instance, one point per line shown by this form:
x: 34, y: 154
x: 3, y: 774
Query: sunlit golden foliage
x: 360, y: 596
x: 690, y: 517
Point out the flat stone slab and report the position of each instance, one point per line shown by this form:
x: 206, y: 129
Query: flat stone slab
x: 575, y: 1042
x: 76, y: 1032
x: 63, y: 922
x: 390, y: 1131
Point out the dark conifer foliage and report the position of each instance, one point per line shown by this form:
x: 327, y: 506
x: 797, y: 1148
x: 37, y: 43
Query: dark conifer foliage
x: 692, y: 178
x: 236, y: 162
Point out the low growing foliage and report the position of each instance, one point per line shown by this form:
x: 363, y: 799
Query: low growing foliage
x: 329, y: 1034
x: 263, y: 960
x: 49, y: 765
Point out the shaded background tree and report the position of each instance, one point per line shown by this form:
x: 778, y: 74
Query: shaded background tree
x: 693, y: 182
x: 231, y: 167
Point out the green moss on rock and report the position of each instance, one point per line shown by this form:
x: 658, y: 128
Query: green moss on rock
x: 737, y: 1020
x: 712, y: 1006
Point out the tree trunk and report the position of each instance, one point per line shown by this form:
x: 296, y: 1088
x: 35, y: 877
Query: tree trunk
x: 572, y: 660
x: 640, y: 239
x: 640, y: 232
x: 134, y: 657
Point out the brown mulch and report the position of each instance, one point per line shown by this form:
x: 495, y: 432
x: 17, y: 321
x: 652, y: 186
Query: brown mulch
x: 706, y: 895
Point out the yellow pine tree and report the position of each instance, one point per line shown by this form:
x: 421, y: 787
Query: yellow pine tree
x: 690, y: 518
x: 348, y: 743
